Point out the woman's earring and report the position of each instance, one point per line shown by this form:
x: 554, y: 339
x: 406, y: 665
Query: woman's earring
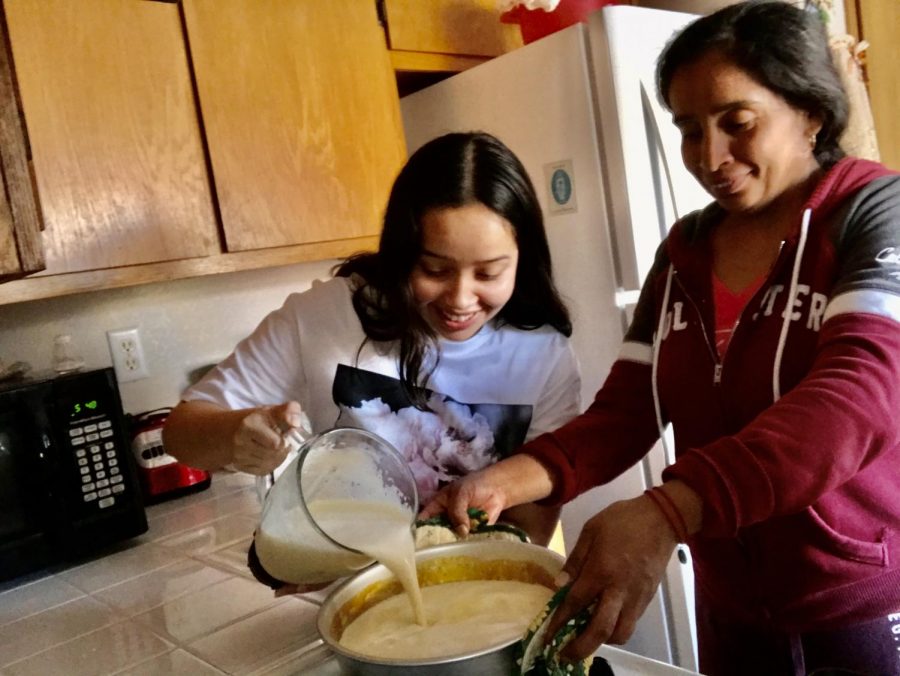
x: 812, y: 141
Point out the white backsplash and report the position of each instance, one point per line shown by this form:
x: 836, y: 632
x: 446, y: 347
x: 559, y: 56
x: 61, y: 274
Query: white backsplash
x: 184, y: 325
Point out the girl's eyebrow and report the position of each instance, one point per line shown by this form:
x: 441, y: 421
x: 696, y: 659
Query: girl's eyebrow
x: 426, y: 252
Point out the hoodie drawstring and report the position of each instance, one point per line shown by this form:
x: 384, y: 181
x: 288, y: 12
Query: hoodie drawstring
x: 657, y: 341
x: 782, y: 338
x: 789, y: 306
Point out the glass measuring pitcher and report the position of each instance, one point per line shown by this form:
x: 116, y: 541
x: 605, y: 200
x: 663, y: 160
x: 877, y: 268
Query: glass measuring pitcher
x: 344, y: 495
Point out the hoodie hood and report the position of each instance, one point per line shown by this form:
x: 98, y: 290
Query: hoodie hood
x: 841, y: 181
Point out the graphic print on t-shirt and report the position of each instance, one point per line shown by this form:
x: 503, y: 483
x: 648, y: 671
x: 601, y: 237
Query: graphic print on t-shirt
x: 449, y: 441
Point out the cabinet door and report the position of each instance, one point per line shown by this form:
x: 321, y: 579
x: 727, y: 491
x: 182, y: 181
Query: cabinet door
x: 879, y: 22
x: 9, y: 257
x: 302, y: 117
x: 468, y: 27
x: 115, y: 139
x: 21, y: 248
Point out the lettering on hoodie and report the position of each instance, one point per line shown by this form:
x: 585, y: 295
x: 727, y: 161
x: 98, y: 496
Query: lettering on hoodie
x: 889, y: 256
x: 674, y: 322
x: 894, y: 618
x: 813, y: 305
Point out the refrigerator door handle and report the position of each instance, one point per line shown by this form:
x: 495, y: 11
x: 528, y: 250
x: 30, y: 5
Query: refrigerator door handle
x: 658, y: 157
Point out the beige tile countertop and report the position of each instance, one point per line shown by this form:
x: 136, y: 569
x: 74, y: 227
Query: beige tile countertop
x: 180, y: 600
x: 176, y: 600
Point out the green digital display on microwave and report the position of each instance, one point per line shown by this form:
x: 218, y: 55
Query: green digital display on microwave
x: 86, y: 407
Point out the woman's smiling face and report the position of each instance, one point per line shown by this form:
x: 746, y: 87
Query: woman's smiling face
x: 744, y: 143
x: 467, y: 270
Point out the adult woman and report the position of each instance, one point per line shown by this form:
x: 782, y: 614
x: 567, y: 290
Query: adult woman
x: 450, y: 341
x: 767, y: 333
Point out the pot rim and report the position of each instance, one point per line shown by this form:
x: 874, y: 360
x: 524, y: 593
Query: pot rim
x: 550, y: 560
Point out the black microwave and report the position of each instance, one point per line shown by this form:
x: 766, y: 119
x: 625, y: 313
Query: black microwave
x: 68, y: 484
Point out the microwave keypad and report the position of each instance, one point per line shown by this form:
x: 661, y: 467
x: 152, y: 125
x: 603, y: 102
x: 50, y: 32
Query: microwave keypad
x: 98, y: 463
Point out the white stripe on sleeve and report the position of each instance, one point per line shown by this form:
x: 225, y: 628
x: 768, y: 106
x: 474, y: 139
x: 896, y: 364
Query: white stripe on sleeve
x: 642, y: 353
x: 871, y: 301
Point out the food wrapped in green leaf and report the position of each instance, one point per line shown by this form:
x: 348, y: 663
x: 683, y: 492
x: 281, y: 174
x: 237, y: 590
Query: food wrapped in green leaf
x: 438, y: 530
x: 538, y: 657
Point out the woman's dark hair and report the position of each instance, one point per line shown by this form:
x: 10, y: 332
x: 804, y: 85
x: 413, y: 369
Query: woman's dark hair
x: 782, y: 47
x: 454, y: 170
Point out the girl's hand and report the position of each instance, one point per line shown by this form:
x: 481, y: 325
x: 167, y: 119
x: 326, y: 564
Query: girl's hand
x: 617, y: 564
x: 259, y: 442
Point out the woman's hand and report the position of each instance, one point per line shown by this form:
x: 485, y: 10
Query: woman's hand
x: 617, y: 564
x: 259, y: 445
x: 478, y: 490
x: 513, y: 481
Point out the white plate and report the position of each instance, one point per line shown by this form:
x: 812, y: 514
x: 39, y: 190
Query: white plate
x: 625, y: 663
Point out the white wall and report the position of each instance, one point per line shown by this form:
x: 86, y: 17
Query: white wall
x: 184, y: 325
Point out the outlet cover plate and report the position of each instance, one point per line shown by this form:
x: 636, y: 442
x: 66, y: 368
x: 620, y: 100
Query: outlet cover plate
x: 127, y: 354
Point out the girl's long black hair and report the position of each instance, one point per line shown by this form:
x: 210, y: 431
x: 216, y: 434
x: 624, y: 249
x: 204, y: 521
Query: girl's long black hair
x: 453, y: 170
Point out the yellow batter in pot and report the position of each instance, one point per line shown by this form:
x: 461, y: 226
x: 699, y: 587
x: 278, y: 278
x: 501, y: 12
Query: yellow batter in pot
x: 462, y: 617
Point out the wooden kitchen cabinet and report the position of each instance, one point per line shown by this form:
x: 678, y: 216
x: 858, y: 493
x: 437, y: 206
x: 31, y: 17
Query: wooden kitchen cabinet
x: 432, y: 39
x: 118, y: 156
x: 423, y: 35
x: 877, y: 22
x: 302, y: 117
x: 292, y: 129
x: 21, y: 248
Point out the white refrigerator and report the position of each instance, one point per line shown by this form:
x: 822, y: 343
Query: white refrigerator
x: 579, y: 108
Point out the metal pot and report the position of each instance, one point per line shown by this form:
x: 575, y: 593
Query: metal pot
x: 343, y: 605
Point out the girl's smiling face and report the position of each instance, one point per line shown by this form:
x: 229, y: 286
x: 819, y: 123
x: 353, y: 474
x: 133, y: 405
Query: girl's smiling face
x: 467, y: 270
x: 744, y: 143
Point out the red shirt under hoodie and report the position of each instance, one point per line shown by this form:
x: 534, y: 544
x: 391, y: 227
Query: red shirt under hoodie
x: 792, y: 439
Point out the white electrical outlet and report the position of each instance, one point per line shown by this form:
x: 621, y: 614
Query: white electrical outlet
x: 127, y: 354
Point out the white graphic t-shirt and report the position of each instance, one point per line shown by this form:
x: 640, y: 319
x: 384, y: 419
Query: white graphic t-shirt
x: 488, y: 395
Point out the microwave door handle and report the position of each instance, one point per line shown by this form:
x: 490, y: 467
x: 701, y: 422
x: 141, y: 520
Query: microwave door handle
x: 40, y: 424
x: 48, y: 456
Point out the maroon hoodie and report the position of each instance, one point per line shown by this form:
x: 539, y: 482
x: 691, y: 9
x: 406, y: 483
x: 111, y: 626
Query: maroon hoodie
x: 792, y: 439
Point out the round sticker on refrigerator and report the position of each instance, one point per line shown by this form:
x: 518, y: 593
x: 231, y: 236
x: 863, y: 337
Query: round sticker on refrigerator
x: 561, y: 186
x: 559, y: 182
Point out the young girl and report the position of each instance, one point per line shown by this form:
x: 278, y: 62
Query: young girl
x: 450, y: 341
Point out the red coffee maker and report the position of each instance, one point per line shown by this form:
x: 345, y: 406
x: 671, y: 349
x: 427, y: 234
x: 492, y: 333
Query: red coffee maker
x: 162, y: 477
